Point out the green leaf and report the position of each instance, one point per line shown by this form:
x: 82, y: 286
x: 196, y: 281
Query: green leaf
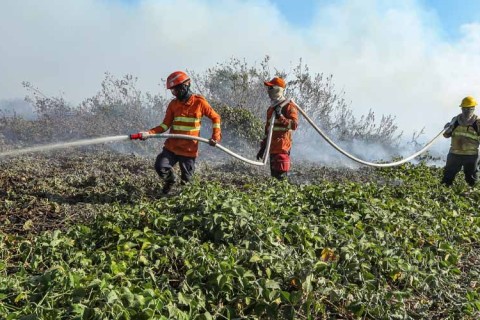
x: 285, y: 296
x: 221, y: 280
x: 271, y: 284
x: 78, y: 309
x: 255, y: 258
x: 183, y: 299
x: 112, y: 297
x: 21, y: 296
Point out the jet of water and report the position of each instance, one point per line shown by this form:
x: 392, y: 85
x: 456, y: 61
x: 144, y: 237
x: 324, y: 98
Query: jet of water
x: 63, y: 145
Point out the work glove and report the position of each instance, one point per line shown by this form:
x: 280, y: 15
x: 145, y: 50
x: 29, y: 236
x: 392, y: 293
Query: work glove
x: 278, y: 112
x: 143, y: 135
x: 212, y: 142
x: 261, y: 153
x: 449, y: 126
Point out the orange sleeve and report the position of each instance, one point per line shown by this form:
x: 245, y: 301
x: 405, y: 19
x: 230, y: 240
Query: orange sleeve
x: 167, y: 121
x: 292, y: 116
x: 216, y: 120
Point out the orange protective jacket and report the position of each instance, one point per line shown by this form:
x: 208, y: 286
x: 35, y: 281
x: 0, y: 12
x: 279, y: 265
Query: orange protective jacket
x: 185, y: 118
x: 282, y: 128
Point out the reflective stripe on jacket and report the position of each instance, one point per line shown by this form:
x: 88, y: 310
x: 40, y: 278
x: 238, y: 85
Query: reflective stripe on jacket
x: 282, y: 128
x: 465, y: 140
x: 185, y: 118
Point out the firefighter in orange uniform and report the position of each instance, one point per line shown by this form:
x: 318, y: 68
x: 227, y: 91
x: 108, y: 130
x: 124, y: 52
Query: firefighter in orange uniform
x: 183, y: 116
x: 286, y: 120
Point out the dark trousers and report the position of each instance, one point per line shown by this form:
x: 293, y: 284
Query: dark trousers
x: 165, y: 162
x: 455, y: 162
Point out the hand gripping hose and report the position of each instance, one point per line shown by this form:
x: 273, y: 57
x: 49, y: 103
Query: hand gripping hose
x: 219, y: 146
x: 372, y: 164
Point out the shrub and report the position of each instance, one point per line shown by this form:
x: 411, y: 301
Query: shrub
x: 234, y: 88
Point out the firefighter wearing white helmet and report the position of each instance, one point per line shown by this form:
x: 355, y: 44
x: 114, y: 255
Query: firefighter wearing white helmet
x: 465, y: 134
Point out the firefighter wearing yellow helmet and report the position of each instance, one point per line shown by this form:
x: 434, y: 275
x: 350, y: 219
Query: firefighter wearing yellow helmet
x: 465, y: 134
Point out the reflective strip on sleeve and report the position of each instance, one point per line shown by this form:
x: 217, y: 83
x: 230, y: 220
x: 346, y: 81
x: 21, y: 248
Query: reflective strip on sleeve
x: 164, y: 126
x: 280, y: 129
x: 216, y: 125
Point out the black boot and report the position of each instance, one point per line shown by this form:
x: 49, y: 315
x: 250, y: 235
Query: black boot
x: 170, y: 179
x: 167, y: 187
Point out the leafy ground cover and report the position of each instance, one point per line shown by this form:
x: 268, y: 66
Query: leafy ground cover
x: 88, y: 236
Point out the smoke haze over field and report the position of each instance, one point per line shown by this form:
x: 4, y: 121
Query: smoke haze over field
x: 386, y: 56
x: 20, y: 107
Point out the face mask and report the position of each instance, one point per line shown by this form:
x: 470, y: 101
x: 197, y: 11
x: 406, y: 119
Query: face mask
x: 182, y: 91
x: 275, y: 92
x: 468, y: 112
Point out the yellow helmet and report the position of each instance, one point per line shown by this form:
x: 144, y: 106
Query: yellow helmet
x: 468, y: 102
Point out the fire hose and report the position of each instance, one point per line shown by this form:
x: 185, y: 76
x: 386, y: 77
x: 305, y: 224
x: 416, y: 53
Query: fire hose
x: 372, y: 164
x: 224, y: 149
x: 219, y: 146
x: 322, y: 134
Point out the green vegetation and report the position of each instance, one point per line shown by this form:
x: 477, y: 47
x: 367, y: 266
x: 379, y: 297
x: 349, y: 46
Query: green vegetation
x: 88, y: 236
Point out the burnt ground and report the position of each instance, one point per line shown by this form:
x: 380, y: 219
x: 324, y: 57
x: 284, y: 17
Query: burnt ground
x: 46, y: 191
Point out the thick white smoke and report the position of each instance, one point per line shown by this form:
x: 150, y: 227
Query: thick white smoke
x: 388, y: 56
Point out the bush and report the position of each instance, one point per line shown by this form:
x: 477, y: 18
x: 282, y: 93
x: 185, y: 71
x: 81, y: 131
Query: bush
x: 234, y: 89
x: 240, y: 86
x: 239, y: 124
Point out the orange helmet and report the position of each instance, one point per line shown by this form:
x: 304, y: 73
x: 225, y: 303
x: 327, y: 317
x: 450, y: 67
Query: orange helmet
x: 176, y: 78
x: 276, y: 81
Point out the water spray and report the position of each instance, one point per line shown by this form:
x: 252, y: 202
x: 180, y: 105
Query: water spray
x: 63, y: 145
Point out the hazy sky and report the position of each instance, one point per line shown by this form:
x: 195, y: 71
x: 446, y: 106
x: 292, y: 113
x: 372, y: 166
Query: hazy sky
x: 415, y: 59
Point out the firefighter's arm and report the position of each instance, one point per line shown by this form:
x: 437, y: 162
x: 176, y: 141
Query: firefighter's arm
x: 263, y: 146
x: 290, y: 118
x: 449, y: 126
x: 216, y: 120
x: 166, y: 123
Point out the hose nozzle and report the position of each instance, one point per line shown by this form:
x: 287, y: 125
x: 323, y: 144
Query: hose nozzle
x: 136, y: 136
